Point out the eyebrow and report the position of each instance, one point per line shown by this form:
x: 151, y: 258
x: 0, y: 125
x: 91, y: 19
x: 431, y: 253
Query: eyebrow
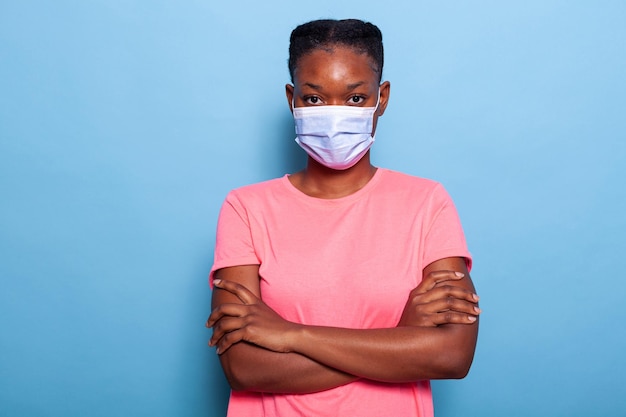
x: 314, y: 86
x: 350, y: 87
x: 355, y: 85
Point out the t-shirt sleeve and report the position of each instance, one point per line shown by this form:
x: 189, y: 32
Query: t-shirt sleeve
x: 233, y: 244
x: 444, y: 236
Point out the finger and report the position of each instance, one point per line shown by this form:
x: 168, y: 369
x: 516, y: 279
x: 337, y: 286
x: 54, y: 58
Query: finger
x: 451, y: 317
x: 444, y: 292
x: 225, y: 326
x: 229, y: 309
x: 454, y: 305
x: 245, y: 295
x: 437, y: 277
x: 229, y: 339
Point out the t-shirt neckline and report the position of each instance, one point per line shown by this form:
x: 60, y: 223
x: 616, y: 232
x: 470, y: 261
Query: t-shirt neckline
x: 366, y: 189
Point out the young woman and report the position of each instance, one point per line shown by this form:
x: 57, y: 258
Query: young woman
x: 340, y: 290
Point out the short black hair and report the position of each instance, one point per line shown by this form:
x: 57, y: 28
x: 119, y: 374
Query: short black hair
x: 363, y: 37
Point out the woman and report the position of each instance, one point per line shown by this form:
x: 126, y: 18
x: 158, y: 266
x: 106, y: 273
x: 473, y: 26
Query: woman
x: 342, y: 289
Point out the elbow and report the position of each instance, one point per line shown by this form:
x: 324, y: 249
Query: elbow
x: 235, y: 382
x: 241, y: 374
x: 456, y: 353
x: 460, y: 370
x: 237, y: 378
x: 454, y: 365
x: 233, y: 372
x: 237, y: 385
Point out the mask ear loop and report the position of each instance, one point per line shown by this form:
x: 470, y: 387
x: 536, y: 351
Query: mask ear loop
x: 374, y: 113
x: 377, y: 101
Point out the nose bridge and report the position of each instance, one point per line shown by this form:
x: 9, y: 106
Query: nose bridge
x: 335, y: 101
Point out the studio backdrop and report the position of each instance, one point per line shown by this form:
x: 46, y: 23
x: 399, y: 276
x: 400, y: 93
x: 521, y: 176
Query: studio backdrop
x: 123, y: 124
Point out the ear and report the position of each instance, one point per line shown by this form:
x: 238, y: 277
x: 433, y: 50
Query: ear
x: 289, y: 93
x: 384, y: 97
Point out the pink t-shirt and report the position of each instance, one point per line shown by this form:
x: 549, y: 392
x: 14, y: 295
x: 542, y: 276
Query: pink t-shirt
x: 349, y: 262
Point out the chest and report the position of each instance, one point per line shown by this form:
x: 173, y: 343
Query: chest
x: 350, y: 267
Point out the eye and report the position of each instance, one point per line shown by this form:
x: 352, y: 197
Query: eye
x: 356, y: 100
x: 312, y: 100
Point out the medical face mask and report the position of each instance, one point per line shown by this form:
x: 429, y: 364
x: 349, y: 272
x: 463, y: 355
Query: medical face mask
x: 335, y: 136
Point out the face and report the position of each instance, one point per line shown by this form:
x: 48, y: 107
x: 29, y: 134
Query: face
x: 337, y: 77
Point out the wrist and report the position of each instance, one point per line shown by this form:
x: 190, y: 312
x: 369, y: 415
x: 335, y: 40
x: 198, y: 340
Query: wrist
x: 297, y: 338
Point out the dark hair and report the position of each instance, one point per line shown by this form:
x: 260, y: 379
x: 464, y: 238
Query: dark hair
x: 363, y: 37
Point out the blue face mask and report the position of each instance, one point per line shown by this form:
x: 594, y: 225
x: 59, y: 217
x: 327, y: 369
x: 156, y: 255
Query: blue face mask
x: 335, y: 136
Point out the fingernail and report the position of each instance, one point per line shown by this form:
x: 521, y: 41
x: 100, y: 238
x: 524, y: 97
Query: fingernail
x: 476, y: 297
x: 217, y: 281
x: 471, y: 318
x: 477, y: 310
x: 459, y: 274
x: 217, y: 350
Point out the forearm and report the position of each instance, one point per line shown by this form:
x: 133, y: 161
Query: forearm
x: 251, y: 368
x: 401, y: 354
x: 260, y: 351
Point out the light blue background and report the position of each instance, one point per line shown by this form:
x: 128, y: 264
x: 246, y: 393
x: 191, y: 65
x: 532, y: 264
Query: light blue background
x: 123, y: 124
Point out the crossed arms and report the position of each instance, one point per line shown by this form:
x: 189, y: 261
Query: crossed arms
x: 260, y: 351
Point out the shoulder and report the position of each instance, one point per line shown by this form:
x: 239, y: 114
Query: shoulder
x: 414, y: 194
x: 257, y: 195
x: 401, y: 177
x: 399, y: 182
x: 257, y: 189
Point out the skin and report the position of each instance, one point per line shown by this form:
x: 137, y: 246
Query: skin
x: 336, y: 77
x: 260, y: 351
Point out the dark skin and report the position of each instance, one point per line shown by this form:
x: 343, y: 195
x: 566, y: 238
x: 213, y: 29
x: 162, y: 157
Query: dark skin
x: 324, y: 78
x: 260, y: 351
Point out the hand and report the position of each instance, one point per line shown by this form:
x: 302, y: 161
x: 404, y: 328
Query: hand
x: 435, y: 302
x: 253, y: 322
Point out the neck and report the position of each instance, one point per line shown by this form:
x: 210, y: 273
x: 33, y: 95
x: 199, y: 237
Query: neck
x: 316, y: 180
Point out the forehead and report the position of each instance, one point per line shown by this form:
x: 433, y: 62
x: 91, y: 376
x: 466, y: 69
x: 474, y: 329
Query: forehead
x: 335, y: 63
